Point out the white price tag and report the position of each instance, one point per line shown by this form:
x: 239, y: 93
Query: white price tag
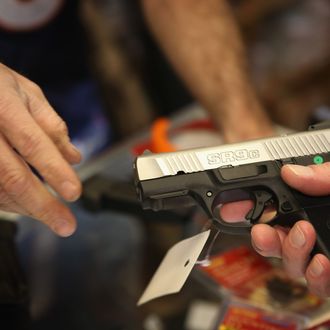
x: 175, y: 267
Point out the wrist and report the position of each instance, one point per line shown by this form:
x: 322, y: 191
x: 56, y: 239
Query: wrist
x: 243, y: 123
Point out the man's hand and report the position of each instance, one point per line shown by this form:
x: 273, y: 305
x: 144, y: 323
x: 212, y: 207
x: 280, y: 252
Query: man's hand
x: 293, y: 246
x: 32, y: 134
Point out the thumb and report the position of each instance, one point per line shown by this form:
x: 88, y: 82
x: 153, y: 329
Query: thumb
x: 310, y: 180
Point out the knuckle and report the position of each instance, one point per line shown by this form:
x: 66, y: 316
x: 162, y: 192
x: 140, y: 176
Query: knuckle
x: 61, y: 128
x: 4, y: 198
x: 34, y: 88
x: 34, y: 97
x: 7, y: 74
x: 31, y: 144
x: 46, y: 212
x: 54, y: 169
x: 7, y: 99
x: 50, y: 168
x: 14, y: 182
x: 60, y: 134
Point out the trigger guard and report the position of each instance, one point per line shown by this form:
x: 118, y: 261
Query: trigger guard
x: 232, y: 229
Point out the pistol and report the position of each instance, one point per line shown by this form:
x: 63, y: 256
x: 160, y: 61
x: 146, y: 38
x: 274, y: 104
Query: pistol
x: 212, y: 176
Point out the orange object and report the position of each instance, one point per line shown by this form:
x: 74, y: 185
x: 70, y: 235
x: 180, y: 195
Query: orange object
x: 159, y: 136
x: 161, y: 131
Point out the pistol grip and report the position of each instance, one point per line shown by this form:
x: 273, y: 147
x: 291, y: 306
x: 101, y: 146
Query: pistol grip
x: 320, y: 219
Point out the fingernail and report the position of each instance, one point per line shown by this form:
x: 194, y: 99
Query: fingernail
x: 263, y: 252
x: 256, y: 247
x: 297, y: 237
x: 76, y: 153
x: 75, y: 149
x: 63, y: 228
x: 71, y: 191
x: 316, y: 268
x: 299, y: 170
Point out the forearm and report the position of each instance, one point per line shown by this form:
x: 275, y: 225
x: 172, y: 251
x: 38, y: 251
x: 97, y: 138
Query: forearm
x: 201, y: 40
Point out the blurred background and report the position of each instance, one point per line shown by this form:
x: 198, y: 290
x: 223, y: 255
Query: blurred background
x: 93, y: 279
x: 287, y: 44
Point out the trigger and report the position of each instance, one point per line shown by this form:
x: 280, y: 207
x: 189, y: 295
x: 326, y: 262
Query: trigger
x: 262, y: 198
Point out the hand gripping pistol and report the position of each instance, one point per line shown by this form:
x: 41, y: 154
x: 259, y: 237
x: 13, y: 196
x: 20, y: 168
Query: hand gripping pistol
x: 250, y: 170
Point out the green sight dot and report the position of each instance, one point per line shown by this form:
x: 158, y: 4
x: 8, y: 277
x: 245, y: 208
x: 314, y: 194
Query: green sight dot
x: 318, y: 160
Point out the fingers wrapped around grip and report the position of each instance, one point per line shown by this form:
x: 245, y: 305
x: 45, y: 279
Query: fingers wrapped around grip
x: 311, y: 180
